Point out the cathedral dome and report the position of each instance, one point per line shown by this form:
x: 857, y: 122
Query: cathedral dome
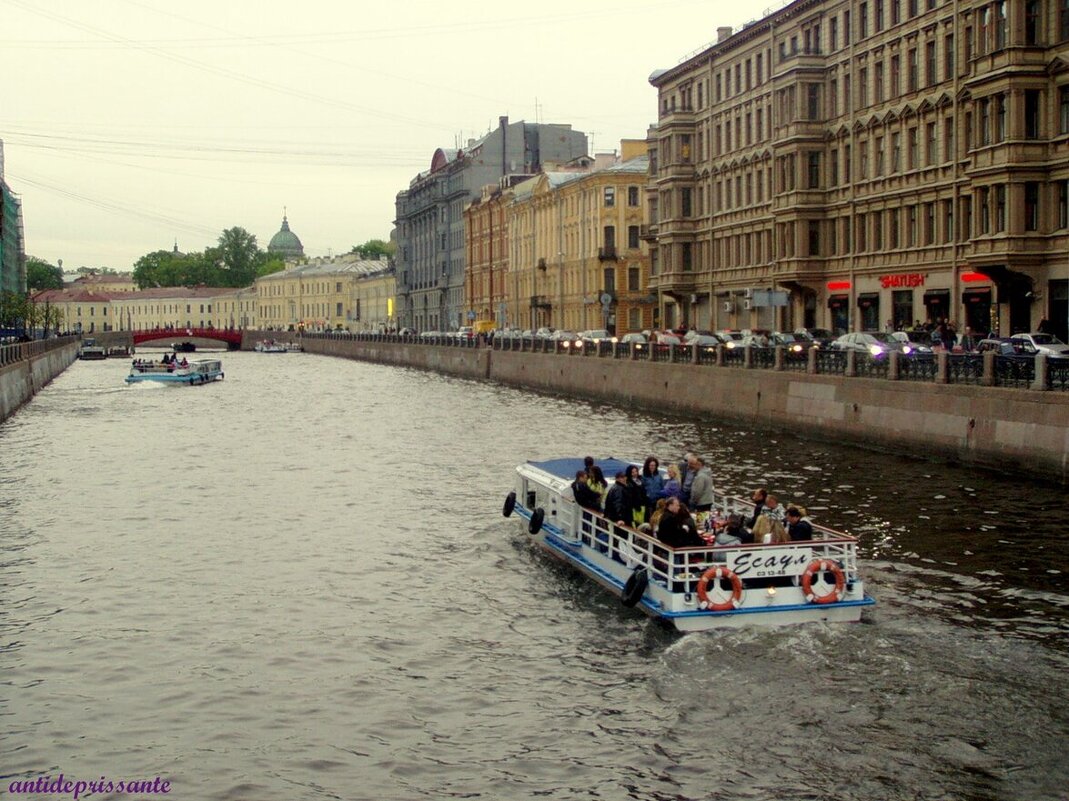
x: 286, y: 243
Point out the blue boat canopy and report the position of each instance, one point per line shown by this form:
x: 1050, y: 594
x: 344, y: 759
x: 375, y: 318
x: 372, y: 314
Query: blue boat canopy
x: 567, y: 468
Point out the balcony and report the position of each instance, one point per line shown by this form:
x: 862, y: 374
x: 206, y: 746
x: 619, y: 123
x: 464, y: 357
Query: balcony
x: 607, y: 253
x: 648, y: 232
x: 540, y: 302
x: 542, y: 265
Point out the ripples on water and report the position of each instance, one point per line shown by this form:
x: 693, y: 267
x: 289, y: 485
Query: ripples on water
x: 297, y: 584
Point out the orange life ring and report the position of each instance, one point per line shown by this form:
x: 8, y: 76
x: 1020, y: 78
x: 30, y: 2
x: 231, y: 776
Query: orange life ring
x: 715, y: 574
x: 822, y: 566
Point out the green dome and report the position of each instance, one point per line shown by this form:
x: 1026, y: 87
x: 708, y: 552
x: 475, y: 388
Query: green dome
x: 286, y: 243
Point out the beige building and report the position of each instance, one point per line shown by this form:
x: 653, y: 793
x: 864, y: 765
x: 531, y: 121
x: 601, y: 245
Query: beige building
x: 235, y: 308
x: 103, y: 282
x: 576, y: 259
x: 321, y: 294
x: 164, y: 308
x: 77, y: 310
x: 867, y: 161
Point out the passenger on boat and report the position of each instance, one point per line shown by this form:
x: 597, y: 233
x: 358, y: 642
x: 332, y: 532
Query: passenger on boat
x: 652, y: 482
x: 636, y: 494
x: 798, y: 527
x: 773, y: 509
x: 769, y: 531
x: 618, y: 501
x: 597, y: 481
x: 658, y: 513
x: 584, y: 496
x: 688, y: 469
x: 677, y: 528
x: 672, y: 487
x: 758, y: 498
x: 701, y: 491
x: 734, y: 533
x: 184, y: 362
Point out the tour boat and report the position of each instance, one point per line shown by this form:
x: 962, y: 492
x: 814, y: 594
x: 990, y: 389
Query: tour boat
x: 270, y: 346
x: 696, y: 588
x: 91, y: 350
x: 200, y: 371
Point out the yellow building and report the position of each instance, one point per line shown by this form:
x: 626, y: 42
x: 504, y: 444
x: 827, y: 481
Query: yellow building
x: 487, y: 235
x: 235, y: 308
x: 75, y: 310
x: 164, y: 308
x: 315, y: 295
x: 103, y: 283
x: 373, y: 300
x: 576, y: 257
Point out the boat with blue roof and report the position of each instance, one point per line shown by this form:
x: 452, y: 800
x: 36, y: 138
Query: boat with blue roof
x: 175, y: 371
x: 691, y: 588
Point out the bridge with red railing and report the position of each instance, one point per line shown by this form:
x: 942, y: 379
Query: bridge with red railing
x: 230, y: 336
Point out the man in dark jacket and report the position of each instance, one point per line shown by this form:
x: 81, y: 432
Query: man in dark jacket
x: 618, y: 501
x: 798, y: 528
x: 584, y: 496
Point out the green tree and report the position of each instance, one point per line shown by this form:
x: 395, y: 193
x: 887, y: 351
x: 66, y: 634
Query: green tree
x: 375, y: 248
x: 271, y: 264
x: 238, y: 257
x: 42, y: 275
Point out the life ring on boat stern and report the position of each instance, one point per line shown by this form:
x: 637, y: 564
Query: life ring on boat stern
x: 714, y: 574
x: 826, y: 593
x: 536, y: 520
x: 510, y: 504
x: 635, y: 587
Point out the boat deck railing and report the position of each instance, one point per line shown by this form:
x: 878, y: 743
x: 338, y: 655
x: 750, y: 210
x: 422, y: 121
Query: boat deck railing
x: 679, y: 569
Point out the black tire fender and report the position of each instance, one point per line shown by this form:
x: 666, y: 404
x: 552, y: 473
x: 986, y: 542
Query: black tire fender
x: 635, y: 587
x: 536, y: 520
x: 510, y: 504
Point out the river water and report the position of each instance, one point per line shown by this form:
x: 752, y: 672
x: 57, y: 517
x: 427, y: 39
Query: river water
x: 297, y: 584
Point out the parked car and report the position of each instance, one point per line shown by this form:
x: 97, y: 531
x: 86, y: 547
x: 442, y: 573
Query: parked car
x: 407, y: 332
x: 731, y: 338
x: 793, y: 346
x: 919, y: 342
x: 696, y: 336
x: 874, y: 343
x: 1047, y: 344
x: 596, y: 335
x: 544, y: 333
x: 823, y: 337
x: 665, y: 338
x: 640, y: 340
x: 465, y: 332
x: 566, y: 338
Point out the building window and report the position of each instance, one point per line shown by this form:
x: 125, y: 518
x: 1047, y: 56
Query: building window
x: 966, y: 218
x: 846, y: 25
x: 860, y: 238
x: 913, y: 8
x: 877, y: 13
x: 879, y: 155
x: 1000, y: 24
x: 863, y: 160
x: 863, y: 20
x: 948, y: 57
x: 833, y: 37
x: 814, y: 170
x: 1031, y: 113
x: 609, y: 234
x: 633, y: 279
x: 632, y: 196
x: 1063, y: 109
x: 1032, y: 12
x: 912, y: 154
x: 610, y: 196
x: 609, y: 274
x: 1031, y: 206
x: 893, y: 223
x: 814, y: 237
x: 896, y: 11
x: 912, y: 230
x: 847, y: 164
x: 983, y: 31
x: 863, y: 87
x: 1063, y: 205
x: 878, y: 78
x: 985, y: 209
x: 833, y: 168
x: 948, y: 220
x: 985, y: 122
x: 685, y: 209
x: 686, y: 256
x: 929, y: 223
x: 813, y: 101
x: 1000, y: 118
x: 632, y: 236
x: 912, y: 67
x: 1000, y: 207
x: 877, y: 230
x: 930, y: 148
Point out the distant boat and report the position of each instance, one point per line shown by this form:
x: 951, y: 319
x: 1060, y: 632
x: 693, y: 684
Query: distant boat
x: 270, y: 346
x: 91, y: 350
x: 200, y: 371
x: 184, y: 347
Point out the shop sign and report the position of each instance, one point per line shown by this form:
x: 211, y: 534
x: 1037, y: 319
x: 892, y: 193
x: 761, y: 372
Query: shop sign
x: 905, y: 280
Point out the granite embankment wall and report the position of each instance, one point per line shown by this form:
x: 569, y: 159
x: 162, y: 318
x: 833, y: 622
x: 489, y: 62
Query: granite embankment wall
x: 27, y: 368
x: 1018, y: 430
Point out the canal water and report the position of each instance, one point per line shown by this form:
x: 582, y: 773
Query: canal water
x: 297, y: 583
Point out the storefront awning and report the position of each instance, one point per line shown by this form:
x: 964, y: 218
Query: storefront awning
x: 938, y: 296
x: 838, y: 301
x: 867, y: 299
x: 978, y: 295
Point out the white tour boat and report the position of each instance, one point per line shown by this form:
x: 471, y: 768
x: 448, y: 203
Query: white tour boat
x: 270, y: 346
x: 200, y: 371
x: 695, y: 588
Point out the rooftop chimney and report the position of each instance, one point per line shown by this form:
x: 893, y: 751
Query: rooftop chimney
x: 723, y: 33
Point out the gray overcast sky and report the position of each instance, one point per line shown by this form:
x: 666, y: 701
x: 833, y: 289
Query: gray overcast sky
x: 128, y: 124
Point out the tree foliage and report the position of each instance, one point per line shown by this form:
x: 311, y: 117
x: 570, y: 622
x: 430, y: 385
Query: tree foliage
x: 375, y: 248
x: 234, y: 261
x: 42, y: 275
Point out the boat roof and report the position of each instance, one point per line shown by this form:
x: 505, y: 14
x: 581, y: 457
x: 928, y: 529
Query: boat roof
x: 568, y: 466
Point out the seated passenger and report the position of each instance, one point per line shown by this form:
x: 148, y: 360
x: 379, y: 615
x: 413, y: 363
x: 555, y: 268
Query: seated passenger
x: 798, y: 528
x: 769, y: 531
x: 584, y: 496
x: 733, y: 533
x: 677, y: 528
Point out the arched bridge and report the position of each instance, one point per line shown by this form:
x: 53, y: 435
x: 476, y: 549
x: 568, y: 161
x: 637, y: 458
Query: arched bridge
x: 231, y: 336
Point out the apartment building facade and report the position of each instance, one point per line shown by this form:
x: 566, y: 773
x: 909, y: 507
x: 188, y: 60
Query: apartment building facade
x: 854, y: 164
x: 431, y: 242
x: 576, y: 257
x: 317, y: 294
